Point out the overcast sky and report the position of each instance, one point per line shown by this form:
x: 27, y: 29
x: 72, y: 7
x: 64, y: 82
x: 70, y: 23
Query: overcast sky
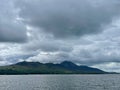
x: 85, y: 32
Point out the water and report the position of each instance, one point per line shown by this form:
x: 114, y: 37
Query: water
x: 60, y: 82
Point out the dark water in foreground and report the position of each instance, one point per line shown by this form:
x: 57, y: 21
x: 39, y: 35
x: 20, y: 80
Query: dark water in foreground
x: 60, y: 82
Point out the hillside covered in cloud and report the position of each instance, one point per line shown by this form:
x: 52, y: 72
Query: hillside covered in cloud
x: 82, y: 31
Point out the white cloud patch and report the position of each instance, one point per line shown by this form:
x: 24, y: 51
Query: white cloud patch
x: 111, y: 66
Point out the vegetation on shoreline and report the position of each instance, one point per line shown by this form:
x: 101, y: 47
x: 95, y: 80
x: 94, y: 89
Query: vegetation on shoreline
x: 65, y: 67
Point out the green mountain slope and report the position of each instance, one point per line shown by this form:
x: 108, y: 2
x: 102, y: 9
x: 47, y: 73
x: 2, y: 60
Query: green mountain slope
x: 48, y: 68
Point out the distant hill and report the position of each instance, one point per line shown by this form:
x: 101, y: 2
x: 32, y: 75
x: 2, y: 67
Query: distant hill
x: 65, y: 67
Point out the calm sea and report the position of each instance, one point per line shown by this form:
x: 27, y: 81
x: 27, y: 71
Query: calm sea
x: 60, y: 82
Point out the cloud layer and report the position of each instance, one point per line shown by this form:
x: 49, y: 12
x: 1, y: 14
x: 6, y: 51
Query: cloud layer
x: 82, y: 31
x: 11, y: 29
x: 65, y: 18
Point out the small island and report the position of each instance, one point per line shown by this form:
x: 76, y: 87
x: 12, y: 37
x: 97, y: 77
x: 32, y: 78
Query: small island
x: 65, y: 67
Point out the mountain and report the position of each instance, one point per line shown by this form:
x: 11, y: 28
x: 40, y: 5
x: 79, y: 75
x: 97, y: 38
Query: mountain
x: 65, y: 67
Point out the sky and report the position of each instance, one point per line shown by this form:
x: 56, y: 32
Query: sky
x: 86, y: 32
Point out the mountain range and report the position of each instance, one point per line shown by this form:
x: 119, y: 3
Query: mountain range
x: 65, y: 67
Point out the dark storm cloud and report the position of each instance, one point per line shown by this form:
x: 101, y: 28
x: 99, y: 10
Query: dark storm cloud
x: 11, y: 35
x: 82, y: 31
x: 48, y: 45
x: 64, y: 18
x: 1, y: 59
x: 11, y: 29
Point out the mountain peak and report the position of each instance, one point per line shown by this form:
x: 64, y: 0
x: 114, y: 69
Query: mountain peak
x: 25, y: 63
x: 65, y: 67
x: 67, y: 63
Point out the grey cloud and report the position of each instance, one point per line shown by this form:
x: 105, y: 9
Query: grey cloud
x: 94, y: 57
x: 101, y: 48
x: 45, y: 42
x: 52, y: 27
x: 1, y: 59
x: 110, y: 66
x: 64, y: 18
x: 17, y: 58
x: 48, y: 46
x: 12, y: 34
x: 11, y: 29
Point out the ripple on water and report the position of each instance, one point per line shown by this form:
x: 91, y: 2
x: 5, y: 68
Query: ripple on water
x: 60, y: 82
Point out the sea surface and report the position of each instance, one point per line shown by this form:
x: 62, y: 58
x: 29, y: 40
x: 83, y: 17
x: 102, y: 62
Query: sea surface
x: 60, y: 82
